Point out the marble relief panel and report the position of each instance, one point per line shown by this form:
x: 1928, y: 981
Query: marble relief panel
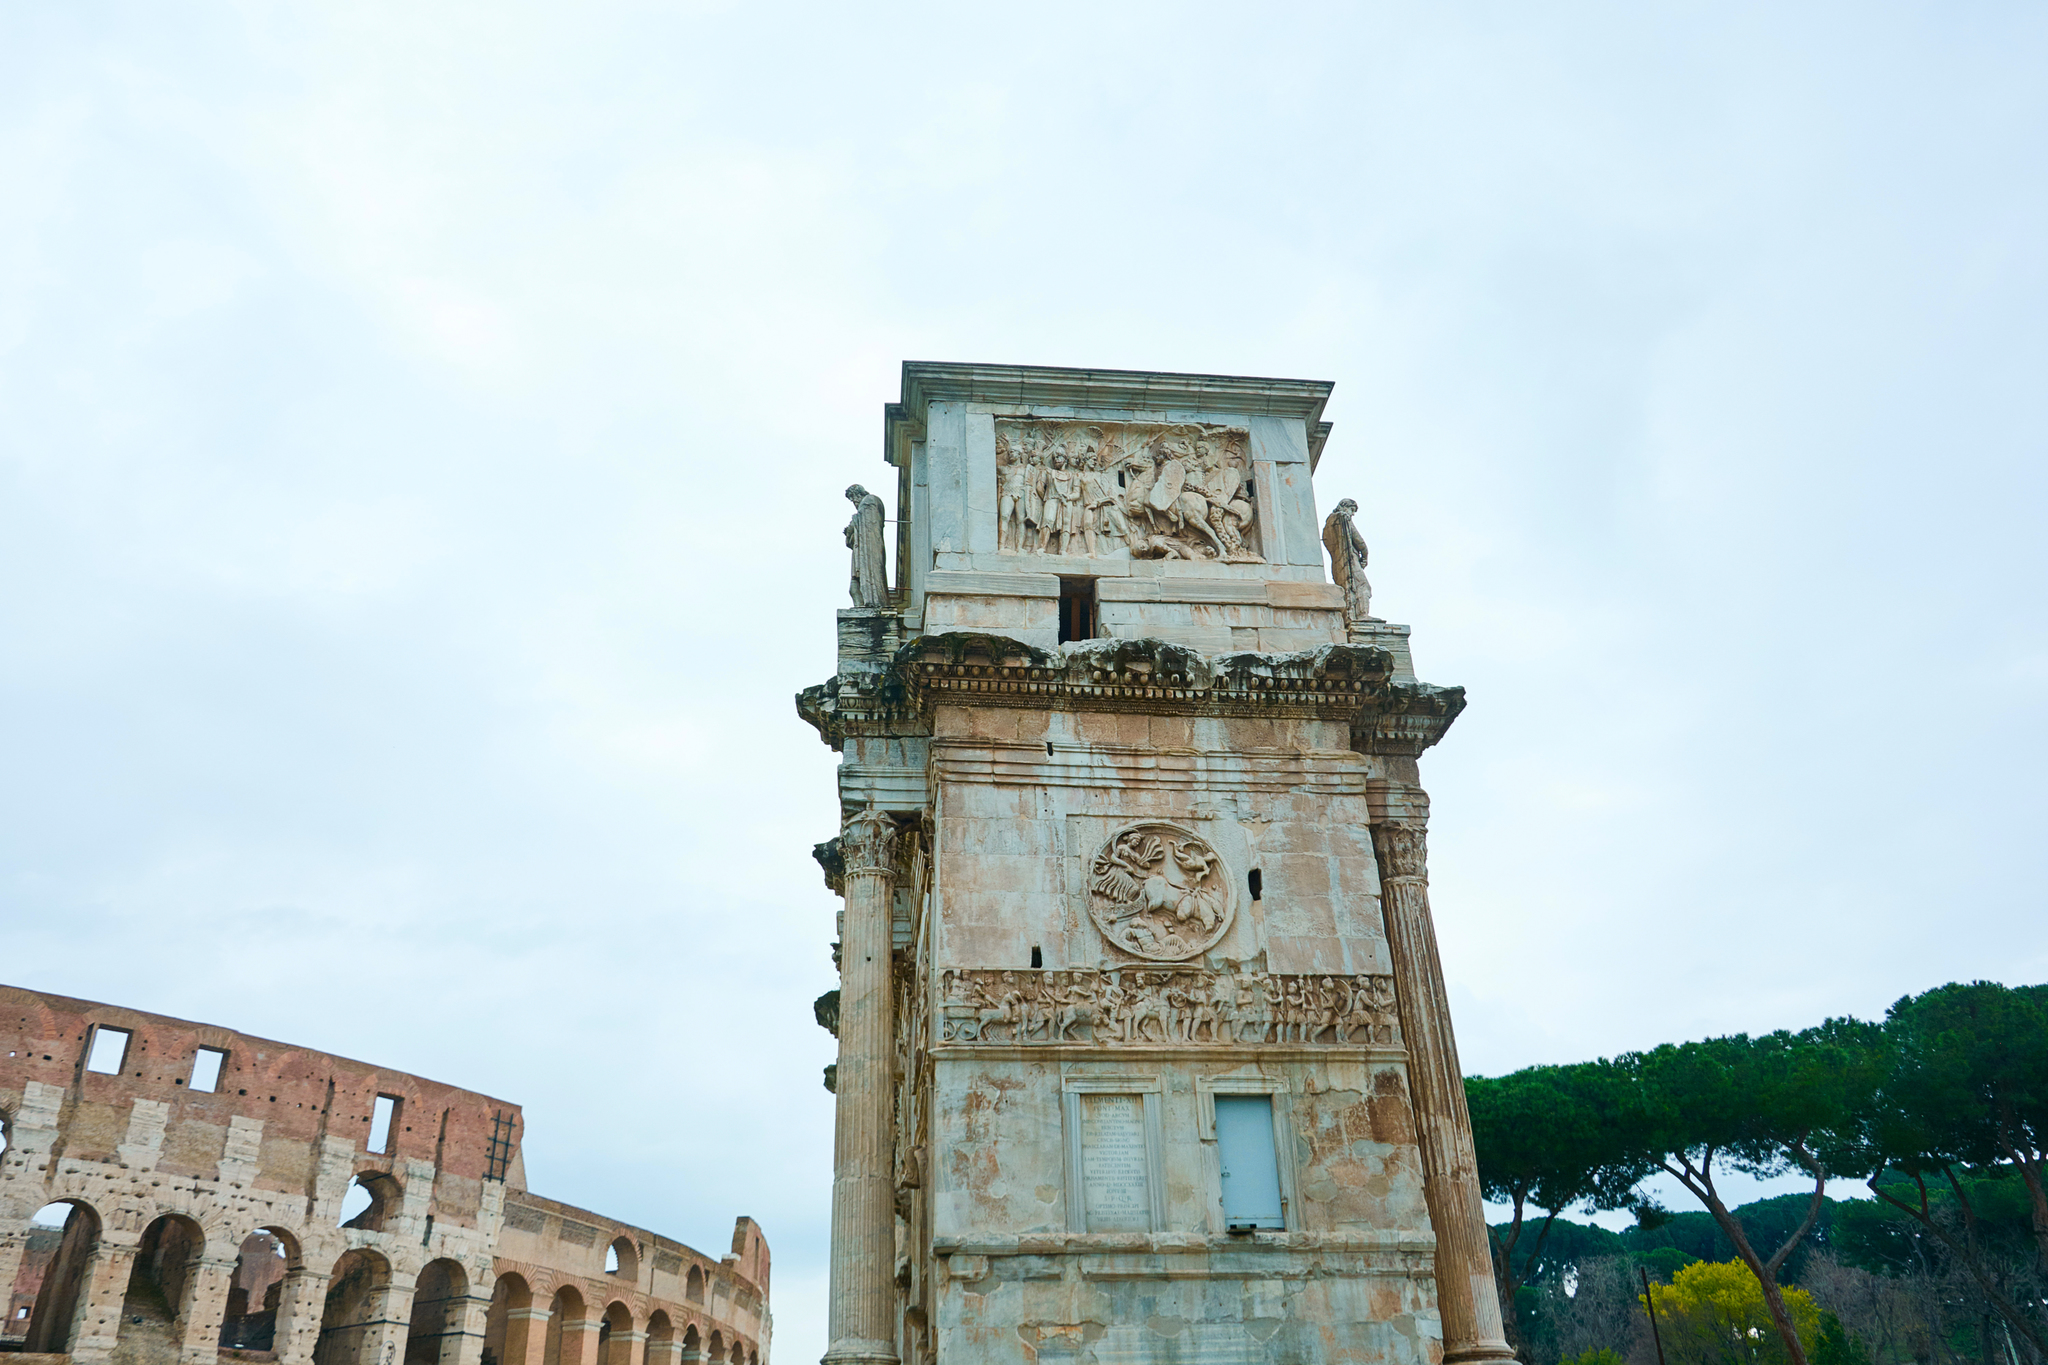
x: 1126, y: 490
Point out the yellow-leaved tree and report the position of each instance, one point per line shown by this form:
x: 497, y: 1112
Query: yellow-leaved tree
x: 1713, y: 1313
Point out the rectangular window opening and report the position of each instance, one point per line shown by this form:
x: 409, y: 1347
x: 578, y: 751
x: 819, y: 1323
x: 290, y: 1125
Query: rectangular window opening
x: 381, y: 1120
x: 1254, y: 883
x: 1077, y: 609
x: 206, y: 1065
x: 109, y: 1051
x: 1037, y: 956
x: 1250, y: 1167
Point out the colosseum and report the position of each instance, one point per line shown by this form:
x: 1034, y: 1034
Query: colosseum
x: 175, y: 1193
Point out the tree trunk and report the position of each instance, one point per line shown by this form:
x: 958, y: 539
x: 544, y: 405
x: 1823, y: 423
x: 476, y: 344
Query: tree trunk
x: 2029, y: 1165
x: 1962, y: 1253
x: 1766, y: 1275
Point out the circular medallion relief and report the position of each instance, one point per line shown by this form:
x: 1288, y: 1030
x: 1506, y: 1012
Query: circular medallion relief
x: 1159, y: 891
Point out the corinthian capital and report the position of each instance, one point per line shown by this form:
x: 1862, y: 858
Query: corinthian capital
x: 1403, y: 851
x: 1400, y: 822
x: 867, y: 842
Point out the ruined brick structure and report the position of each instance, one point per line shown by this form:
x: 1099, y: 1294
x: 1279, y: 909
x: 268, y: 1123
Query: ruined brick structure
x: 1144, y: 1049
x: 191, y: 1183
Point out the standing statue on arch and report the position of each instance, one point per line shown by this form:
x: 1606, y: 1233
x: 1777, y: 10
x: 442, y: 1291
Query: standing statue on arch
x: 1347, y: 560
x: 870, y: 582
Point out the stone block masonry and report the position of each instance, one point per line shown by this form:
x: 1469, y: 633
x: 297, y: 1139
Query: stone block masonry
x: 174, y: 1193
x: 1144, y: 1047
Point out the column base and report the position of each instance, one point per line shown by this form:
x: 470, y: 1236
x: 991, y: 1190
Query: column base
x: 856, y: 1351
x: 1479, y: 1351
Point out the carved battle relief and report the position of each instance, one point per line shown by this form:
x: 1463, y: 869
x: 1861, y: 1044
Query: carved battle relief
x: 1125, y: 490
x: 1177, y: 1005
x: 1160, y: 892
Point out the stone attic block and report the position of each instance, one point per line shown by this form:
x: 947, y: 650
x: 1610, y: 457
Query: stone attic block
x: 174, y: 1193
x: 1144, y: 1053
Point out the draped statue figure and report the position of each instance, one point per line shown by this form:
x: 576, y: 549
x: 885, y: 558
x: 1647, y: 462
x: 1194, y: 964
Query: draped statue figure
x: 1347, y: 560
x: 870, y: 582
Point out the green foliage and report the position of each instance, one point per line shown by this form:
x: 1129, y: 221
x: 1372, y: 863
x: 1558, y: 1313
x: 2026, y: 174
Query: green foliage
x: 1968, y: 1082
x: 1874, y: 1235
x: 1944, y: 1107
x: 1664, y: 1262
x: 1548, y: 1134
x: 1599, y: 1355
x: 1781, y: 1102
x: 1834, y: 1345
x: 1766, y: 1222
x: 1713, y: 1313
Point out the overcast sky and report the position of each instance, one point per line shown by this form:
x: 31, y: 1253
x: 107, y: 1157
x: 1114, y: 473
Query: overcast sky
x: 422, y: 430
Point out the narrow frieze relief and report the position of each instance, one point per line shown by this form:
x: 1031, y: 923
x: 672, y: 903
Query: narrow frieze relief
x: 1182, y: 1005
x: 1125, y: 490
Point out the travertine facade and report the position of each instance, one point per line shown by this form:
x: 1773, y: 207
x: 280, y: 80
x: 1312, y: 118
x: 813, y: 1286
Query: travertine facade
x: 199, y: 1178
x: 1144, y: 1050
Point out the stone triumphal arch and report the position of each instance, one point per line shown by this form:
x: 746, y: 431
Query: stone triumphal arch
x: 1144, y: 1050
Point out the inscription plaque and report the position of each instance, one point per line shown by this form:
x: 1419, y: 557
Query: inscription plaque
x: 1116, y: 1173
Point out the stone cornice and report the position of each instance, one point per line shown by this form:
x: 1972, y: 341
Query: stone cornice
x: 926, y: 382
x: 1351, y: 683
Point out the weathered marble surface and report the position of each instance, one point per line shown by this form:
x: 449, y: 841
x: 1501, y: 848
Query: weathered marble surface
x: 1138, y: 872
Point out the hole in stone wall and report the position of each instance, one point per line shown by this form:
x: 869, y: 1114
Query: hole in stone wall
x: 369, y: 1200
x: 109, y: 1050
x: 1253, y: 882
x: 206, y: 1065
x: 1048, y: 748
x: 1037, y: 956
x: 381, y: 1119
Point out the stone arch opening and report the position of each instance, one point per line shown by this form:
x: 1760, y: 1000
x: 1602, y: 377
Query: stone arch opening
x: 438, y: 1298
x: 70, y: 1229
x: 372, y: 1197
x: 693, y: 1287
x: 717, y: 1347
x: 509, y: 1322
x: 159, y: 1287
x: 615, y: 1335
x: 256, y: 1291
x: 622, y: 1258
x: 693, y: 1345
x: 356, y: 1299
x: 661, y: 1339
x: 566, y: 1315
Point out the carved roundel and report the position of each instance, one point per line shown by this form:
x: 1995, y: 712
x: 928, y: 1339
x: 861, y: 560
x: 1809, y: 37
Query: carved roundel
x: 1159, y: 891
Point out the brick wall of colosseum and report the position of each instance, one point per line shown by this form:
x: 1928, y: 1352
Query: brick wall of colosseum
x: 174, y: 1193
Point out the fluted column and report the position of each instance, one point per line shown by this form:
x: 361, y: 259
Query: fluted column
x: 862, y: 1323
x: 1466, y: 1296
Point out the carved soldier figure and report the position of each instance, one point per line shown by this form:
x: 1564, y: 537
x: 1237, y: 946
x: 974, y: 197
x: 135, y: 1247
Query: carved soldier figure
x: 1347, y: 560
x: 1062, y: 505
x: 1230, y: 506
x: 1101, y: 510
x: 1035, y: 477
x: 869, y: 584
x: 1176, y: 496
x: 1015, y: 493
